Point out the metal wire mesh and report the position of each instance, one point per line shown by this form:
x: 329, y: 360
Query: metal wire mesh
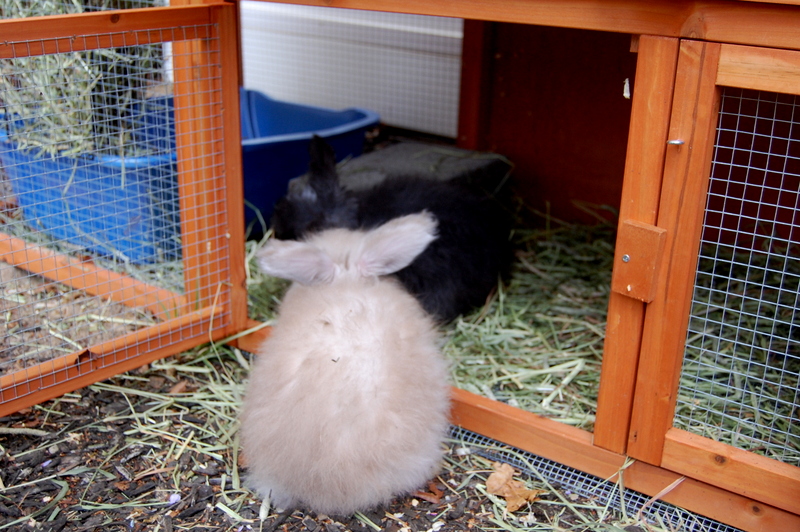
x: 740, y: 382
x: 603, y: 492
x: 34, y: 8
x: 91, y: 240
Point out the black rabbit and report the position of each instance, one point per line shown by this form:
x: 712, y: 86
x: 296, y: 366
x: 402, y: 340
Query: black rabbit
x: 454, y: 274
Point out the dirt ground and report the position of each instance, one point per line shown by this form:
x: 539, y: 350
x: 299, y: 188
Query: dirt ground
x: 156, y: 450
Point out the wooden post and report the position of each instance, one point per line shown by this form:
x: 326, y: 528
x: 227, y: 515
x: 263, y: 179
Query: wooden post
x: 476, y: 65
x: 226, y: 18
x: 686, y: 175
x: 650, y: 114
x: 209, y: 166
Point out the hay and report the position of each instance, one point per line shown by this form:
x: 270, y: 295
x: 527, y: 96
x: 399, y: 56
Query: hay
x: 538, y: 342
x: 741, y: 371
x: 163, y: 453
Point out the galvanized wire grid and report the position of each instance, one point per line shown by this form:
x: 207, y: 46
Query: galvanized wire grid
x: 741, y: 375
x: 90, y: 176
x: 602, y: 492
x: 34, y: 8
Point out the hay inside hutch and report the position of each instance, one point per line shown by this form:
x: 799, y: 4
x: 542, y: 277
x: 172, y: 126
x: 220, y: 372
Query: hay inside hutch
x: 717, y: 437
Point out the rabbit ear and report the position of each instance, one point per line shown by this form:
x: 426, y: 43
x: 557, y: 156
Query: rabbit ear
x: 322, y: 164
x: 395, y: 244
x: 296, y: 261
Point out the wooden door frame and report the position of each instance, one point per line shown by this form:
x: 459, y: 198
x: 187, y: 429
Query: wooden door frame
x: 703, y: 68
x: 185, y: 324
x: 602, y: 453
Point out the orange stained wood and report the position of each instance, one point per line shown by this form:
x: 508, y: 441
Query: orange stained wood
x: 760, y: 24
x: 746, y: 473
x: 572, y: 447
x: 650, y: 114
x: 686, y: 170
x: 759, y: 69
x: 38, y: 371
x: 85, y: 276
x: 637, y: 259
x: 531, y: 432
x: 108, y: 359
x: 231, y: 148
x: 25, y: 37
x: 201, y: 181
x: 252, y: 342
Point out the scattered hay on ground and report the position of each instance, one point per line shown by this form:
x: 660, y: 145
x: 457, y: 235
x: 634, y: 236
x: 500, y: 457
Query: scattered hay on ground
x: 157, y: 450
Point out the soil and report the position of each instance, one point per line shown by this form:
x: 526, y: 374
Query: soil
x: 98, y: 460
x: 44, y: 318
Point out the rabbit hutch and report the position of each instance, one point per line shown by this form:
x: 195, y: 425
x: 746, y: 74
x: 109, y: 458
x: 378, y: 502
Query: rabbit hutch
x: 681, y: 115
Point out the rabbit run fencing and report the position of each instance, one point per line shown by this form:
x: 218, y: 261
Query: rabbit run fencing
x: 119, y: 220
x: 741, y: 375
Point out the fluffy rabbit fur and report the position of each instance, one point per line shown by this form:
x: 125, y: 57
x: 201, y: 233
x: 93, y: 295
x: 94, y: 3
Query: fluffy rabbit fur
x: 454, y: 274
x: 348, y: 400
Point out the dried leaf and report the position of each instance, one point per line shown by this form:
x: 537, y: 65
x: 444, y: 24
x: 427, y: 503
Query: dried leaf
x: 501, y: 482
x: 179, y: 387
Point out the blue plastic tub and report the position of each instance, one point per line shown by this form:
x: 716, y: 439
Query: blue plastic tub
x: 126, y: 208
x: 275, y: 140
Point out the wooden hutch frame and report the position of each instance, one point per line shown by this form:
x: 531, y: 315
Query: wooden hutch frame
x: 207, y: 234
x: 686, y: 50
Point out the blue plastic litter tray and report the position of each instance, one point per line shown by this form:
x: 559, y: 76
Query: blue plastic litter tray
x: 122, y: 207
x: 275, y: 140
x: 128, y: 207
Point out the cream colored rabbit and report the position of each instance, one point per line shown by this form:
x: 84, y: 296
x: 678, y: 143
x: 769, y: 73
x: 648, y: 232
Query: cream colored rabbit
x: 348, y: 400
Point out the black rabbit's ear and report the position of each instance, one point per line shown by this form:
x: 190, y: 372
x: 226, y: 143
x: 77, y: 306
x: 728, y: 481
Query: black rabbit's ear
x: 322, y: 166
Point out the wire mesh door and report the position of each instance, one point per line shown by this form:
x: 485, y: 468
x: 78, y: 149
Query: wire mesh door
x: 717, y: 386
x: 739, y: 382
x: 120, y: 173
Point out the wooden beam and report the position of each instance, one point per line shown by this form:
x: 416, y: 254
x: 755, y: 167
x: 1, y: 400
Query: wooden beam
x: 759, y: 69
x: 572, y: 447
x: 85, y: 276
x: 530, y: 432
x: 253, y: 341
x: 759, y: 24
x: 50, y: 380
x: 686, y: 175
x: 201, y: 183
x: 746, y: 473
x: 46, y: 35
x: 230, y: 150
x: 641, y: 189
x: 476, y: 76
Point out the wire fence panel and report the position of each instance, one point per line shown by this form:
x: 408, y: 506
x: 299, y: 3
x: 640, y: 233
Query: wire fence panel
x: 740, y: 381
x: 97, y: 205
x: 38, y: 8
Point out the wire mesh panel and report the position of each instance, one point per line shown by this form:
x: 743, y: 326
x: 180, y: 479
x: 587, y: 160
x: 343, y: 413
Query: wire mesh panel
x: 609, y: 493
x: 37, y: 8
x: 113, y: 226
x: 740, y: 382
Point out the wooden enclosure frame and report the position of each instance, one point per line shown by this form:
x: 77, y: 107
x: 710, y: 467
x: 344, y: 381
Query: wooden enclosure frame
x: 702, y: 69
x: 184, y: 323
x: 675, y: 97
x: 686, y: 49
